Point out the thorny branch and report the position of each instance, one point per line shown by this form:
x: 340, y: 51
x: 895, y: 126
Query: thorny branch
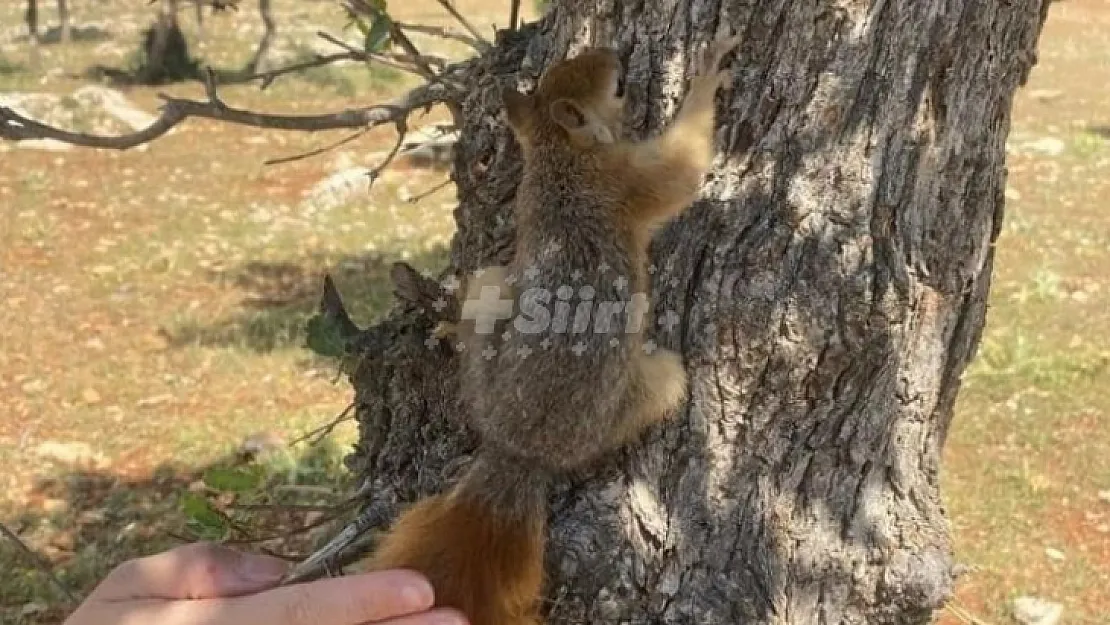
x: 17, y: 127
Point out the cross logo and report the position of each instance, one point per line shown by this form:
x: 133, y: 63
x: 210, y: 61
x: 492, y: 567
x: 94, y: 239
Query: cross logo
x: 579, y: 348
x: 450, y: 284
x: 669, y: 320
x: 487, y: 310
x: 489, y: 352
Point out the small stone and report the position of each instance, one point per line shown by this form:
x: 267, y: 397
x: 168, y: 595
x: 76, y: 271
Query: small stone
x: 1045, y: 95
x: 1104, y: 496
x: 1037, y: 611
x: 1054, y: 554
x: 72, y: 454
x: 154, y: 401
x: 261, y: 443
x: 90, y: 396
x: 1049, y: 146
x: 1012, y: 194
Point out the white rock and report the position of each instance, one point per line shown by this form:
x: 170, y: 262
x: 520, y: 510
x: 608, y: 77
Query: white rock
x: 1050, y: 146
x: 1045, y: 95
x: 73, y: 454
x: 115, y: 104
x: 1036, y: 611
x: 1054, y: 554
x: 338, y: 188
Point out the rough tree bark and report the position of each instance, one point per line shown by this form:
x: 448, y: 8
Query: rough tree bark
x: 829, y: 292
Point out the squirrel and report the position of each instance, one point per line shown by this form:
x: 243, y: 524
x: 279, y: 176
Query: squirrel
x: 546, y: 393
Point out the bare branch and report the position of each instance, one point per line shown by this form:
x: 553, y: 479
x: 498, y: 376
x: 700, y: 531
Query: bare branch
x: 320, y: 60
x: 439, y: 31
x: 318, y: 434
x: 318, y: 151
x: 416, y: 198
x: 450, y: 8
x: 340, y: 550
x: 514, y: 14
x: 414, y: 68
x: 402, y: 130
x: 40, y: 563
x: 16, y: 127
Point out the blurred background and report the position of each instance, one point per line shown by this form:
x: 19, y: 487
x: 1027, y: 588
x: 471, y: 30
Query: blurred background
x: 154, y: 380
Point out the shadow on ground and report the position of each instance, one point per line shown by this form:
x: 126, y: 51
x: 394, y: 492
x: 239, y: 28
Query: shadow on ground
x: 279, y: 298
x: 77, y: 34
x: 83, y: 522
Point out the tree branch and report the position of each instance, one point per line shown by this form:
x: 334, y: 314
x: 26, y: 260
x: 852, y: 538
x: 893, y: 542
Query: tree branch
x: 16, y: 127
x: 41, y: 564
x: 450, y: 8
x: 444, y: 33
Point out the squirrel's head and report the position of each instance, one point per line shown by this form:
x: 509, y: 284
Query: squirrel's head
x: 578, y: 100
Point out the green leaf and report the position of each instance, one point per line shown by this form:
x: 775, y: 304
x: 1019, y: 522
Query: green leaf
x: 379, y: 33
x: 205, y: 521
x: 325, y: 337
x: 231, y: 480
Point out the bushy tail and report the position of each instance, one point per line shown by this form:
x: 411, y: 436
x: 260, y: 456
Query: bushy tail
x: 481, y: 545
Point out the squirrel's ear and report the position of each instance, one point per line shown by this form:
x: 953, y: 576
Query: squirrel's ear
x: 568, y: 114
x: 518, y: 107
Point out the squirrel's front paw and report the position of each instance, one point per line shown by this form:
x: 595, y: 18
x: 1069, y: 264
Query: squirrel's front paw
x: 709, y: 62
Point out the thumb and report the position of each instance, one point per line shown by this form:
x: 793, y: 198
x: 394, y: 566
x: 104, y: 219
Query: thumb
x: 195, y: 571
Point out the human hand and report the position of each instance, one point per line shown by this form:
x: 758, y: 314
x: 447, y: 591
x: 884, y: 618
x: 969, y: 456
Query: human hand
x: 206, y: 584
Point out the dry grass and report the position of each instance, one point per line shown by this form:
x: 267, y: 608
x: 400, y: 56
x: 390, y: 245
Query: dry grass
x: 153, y: 305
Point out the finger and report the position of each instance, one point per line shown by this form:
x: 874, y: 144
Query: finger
x: 350, y: 600
x: 441, y: 616
x: 195, y: 571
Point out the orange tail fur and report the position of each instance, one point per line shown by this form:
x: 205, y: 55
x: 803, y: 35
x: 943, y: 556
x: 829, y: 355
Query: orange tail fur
x: 481, y: 545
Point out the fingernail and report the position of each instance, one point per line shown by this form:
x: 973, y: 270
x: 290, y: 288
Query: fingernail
x: 262, y: 569
x: 417, y: 594
x: 450, y: 618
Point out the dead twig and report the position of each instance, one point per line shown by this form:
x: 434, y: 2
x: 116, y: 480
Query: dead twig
x: 514, y: 14
x: 450, y: 8
x: 321, y: 60
x: 444, y: 33
x: 423, y: 194
x: 39, y: 563
x: 402, y: 130
x: 344, y: 548
x: 249, y: 540
x: 16, y: 127
x: 414, y: 68
x: 318, y: 434
x: 317, y: 151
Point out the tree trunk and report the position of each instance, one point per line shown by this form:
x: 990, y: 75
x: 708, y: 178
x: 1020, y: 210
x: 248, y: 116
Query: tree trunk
x: 269, y: 30
x: 63, y: 19
x: 828, y: 291
x: 32, y: 17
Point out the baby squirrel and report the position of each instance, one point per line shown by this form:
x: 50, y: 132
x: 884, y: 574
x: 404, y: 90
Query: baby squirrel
x: 560, y: 396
